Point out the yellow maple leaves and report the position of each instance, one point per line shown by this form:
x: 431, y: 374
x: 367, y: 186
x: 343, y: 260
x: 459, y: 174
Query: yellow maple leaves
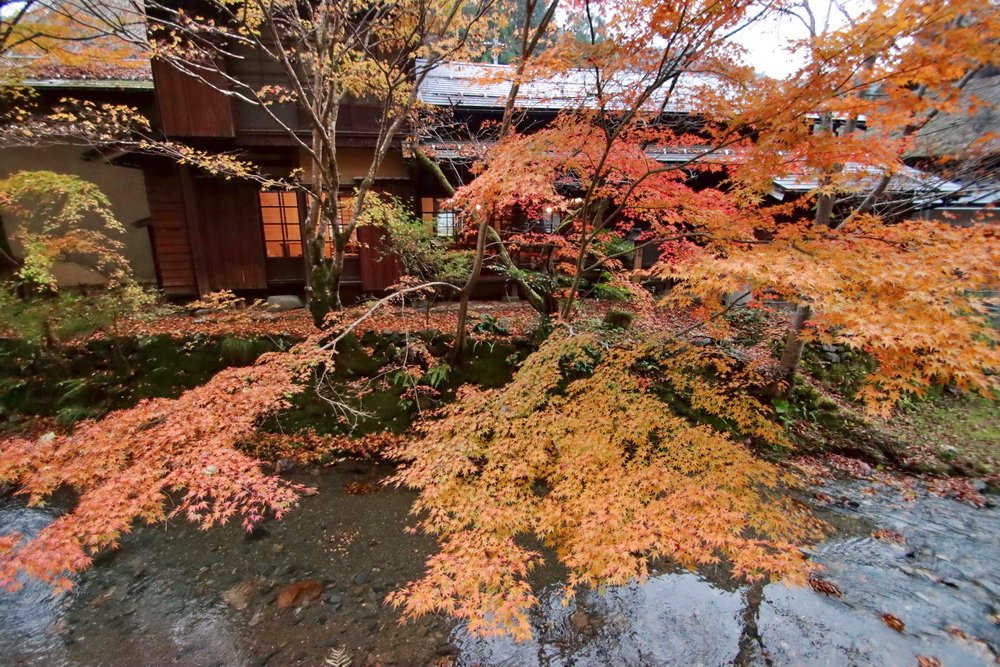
x: 613, y: 452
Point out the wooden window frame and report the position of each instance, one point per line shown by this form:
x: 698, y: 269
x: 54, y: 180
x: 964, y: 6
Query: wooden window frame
x: 430, y: 217
x: 292, y: 248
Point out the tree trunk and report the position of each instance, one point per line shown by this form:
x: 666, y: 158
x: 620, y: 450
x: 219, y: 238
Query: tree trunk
x: 788, y: 365
x: 8, y: 262
x: 320, y: 297
x: 318, y: 290
x: 458, y: 353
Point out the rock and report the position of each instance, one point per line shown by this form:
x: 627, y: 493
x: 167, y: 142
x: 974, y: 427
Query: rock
x: 334, y: 601
x: 257, y: 618
x: 262, y: 568
x: 257, y: 533
x: 829, y: 348
x: 702, y: 341
x: 285, y: 465
x: 299, y: 593
x: 238, y: 597
x: 832, y: 357
x: 102, y: 598
x: 580, y: 621
x: 978, y: 484
x: 282, y: 302
x: 361, y: 578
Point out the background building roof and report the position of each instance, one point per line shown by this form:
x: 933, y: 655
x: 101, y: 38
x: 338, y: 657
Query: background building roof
x: 486, y: 86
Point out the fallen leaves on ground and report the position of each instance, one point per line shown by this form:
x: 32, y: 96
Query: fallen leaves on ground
x: 887, y: 535
x: 825, y: 586
x: 957, y: 488
x: 360, y: 488
x: 306, y: 447
x: 894, y: 622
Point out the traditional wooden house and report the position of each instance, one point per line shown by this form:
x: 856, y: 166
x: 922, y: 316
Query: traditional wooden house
x: 196, y: 233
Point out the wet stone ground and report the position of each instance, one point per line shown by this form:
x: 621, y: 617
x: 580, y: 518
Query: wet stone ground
x: 177, y: 595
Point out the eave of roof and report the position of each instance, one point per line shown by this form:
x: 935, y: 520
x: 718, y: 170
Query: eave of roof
x: 929, y: 187
x: 91, y: 84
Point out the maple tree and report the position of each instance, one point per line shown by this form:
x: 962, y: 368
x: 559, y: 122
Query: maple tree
x: 910, y: 293
x: 61, y: 217
x: 565, y: 458
x: 62, y: 204
x: 126, y: 465
x: 44, y: 39
x: 652, y: 153
x: 162, y: 458
x: 615, y: 448
x: 583, y: 451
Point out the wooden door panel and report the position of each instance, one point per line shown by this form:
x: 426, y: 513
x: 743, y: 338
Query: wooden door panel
x: 231, y: 229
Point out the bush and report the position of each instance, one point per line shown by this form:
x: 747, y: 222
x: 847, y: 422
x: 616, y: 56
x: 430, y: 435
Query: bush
x: 422, y: 253
x: 620, y: 319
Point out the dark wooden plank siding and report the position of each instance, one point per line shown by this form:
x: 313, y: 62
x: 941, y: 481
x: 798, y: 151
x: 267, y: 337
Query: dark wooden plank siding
x: 168, y: 233
x: 190, y: 108
x: 379, y: 267
x: 229, y: 220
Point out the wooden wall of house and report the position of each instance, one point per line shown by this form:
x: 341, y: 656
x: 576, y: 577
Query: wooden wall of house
x: 231, y: 234
x: 168, y: 232
x: 379, y: 268
x: 189, y: 107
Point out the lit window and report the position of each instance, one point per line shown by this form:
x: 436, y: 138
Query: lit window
x: 280, y: 216
x: 438, y: 220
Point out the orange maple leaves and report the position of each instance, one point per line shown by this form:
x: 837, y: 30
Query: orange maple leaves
x: 584, y: 453
x: 162, y: 458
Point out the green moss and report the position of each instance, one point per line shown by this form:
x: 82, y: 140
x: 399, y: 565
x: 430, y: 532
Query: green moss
x: 619, y: 319
x: 240, y: 351
x: 845, y: 377
x: 106, y: 374
x: 960, y: 431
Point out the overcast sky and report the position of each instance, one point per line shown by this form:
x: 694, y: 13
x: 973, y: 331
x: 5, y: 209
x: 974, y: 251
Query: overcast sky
x: 766, y: 42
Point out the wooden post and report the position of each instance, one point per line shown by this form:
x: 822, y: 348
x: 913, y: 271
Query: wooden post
x: 199, y: 253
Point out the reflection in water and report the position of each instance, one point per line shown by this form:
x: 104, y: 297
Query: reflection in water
x: 29, y: 617
x: 160, y: 598
x: 671, y: 619
x: 751, y: 644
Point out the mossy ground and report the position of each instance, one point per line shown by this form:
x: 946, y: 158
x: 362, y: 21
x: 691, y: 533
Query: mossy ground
x: 944, y: 432
x: 960, y: 432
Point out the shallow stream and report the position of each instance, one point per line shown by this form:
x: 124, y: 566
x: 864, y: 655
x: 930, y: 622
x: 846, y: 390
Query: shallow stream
x: 177, y: 595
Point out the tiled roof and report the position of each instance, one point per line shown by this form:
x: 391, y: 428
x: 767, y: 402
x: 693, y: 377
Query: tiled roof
x: 972, y: 127
x: 91, y: 83
x: 485, y: 86
x: 928, y: 187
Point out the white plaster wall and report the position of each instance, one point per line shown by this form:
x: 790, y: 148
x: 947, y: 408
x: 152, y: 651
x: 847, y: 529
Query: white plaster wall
x: 124, y: 188
x: 354, y: 163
